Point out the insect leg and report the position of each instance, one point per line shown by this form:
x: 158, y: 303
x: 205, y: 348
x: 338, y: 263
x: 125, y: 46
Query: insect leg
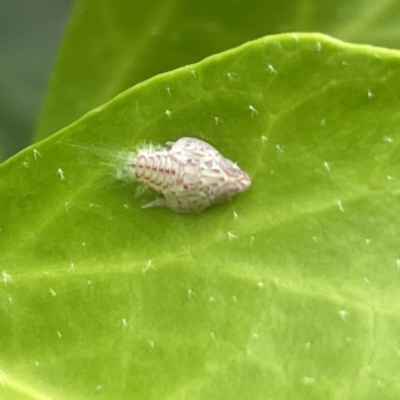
x: 159, y: 202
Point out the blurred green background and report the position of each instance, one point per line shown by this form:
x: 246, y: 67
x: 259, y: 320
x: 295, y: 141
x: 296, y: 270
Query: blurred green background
x: 30, y: 33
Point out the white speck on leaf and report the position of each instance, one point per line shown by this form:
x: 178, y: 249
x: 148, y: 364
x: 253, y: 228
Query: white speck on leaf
x: 343, y: 314
x: 60, y: 173
x: 149, y: 265
x: 388, y: 139
x: 271, y: 69
x: 231, y: 236
x: 308, y: 381
x: 217, y: 120
x: 36, y: 154
x: 231, y: 76
x: 6, y: 277
x: 253, y: 110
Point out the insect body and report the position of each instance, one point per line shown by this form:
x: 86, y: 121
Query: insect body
x: 190, y: 173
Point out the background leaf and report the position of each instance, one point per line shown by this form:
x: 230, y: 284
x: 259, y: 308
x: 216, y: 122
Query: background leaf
x: 30, y: 36
x: 290, y: 291
x: 112, y: 45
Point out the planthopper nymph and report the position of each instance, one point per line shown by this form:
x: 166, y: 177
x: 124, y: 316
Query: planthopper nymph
x: 189, y: 173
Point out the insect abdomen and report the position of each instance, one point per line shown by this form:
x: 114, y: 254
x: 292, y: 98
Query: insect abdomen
x: 156, y: 169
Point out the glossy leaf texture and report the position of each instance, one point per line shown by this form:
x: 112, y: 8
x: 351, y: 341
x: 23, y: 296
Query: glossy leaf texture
x: 289, y: 291
x: 111, y: 45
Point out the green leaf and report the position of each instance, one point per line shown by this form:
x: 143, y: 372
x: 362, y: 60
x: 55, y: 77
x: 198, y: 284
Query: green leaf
x: 111, y: 45
x: 289, y: 291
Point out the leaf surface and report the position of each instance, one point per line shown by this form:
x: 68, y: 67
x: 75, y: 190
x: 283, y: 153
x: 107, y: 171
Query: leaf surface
x: 289, y: 291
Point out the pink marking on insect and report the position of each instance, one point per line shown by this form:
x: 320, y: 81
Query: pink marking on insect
x: 191, y: 174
